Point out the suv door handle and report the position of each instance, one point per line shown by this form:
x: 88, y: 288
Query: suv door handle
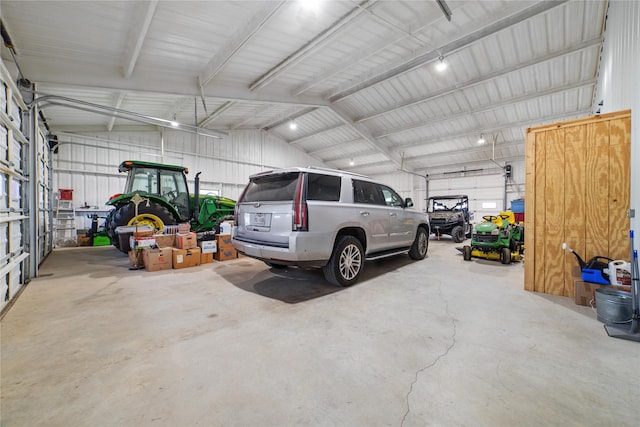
x: 364, y: 213
x: 393, y: 214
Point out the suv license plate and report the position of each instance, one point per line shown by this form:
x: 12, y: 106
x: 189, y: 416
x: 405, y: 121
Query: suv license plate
x: 259, y: 219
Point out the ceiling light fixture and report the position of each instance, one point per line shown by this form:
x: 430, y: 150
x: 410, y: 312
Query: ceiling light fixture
x: 481, y: 140
x: 293, y: 125
x: 441, y: 65
x: 444, y: 7
x: 351, y: 162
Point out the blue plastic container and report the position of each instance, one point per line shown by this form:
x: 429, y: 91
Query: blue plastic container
x: 594, y: 276
x: 517, y: 206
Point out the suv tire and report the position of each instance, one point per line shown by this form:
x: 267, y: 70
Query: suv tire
x: 346, y: 262
x: 420, y: 245
x: 458, y: 234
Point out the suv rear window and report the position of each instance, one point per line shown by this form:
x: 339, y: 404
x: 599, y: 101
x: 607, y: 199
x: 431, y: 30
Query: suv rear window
x: 323, y: 187
x: 271, y: 188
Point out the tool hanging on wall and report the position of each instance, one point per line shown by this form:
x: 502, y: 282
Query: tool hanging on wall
x: 632, y: 332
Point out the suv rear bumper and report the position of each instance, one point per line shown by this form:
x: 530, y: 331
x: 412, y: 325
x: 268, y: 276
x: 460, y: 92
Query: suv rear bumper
x: 304, y: 249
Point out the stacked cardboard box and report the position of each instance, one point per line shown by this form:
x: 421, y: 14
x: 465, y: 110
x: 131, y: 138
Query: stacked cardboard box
x: 183, y: 258
x: 165, y: 240
x: 157, y: 252
x: 158, y: 259
x: 186, y: 240
x: 208, y: 248
x: 142, y: 239
x: 226, y: 251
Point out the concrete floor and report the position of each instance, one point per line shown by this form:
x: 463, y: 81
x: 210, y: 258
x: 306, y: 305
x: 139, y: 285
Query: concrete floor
x: 441, y: 342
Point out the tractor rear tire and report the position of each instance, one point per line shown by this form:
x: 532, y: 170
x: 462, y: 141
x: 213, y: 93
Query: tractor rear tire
x: 458, y: 234
x: 154, y: 215
x: 466, y: 252
x: 505, y: 256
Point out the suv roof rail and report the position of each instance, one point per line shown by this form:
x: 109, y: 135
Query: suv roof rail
x: 339, y: 171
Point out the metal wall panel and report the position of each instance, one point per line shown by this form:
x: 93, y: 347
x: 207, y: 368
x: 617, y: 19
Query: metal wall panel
x: 88, y: 163
x: 618, y: 83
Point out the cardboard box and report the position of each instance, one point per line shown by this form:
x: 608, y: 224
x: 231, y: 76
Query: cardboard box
x: 84, y: 240
x: 208, y: 246
x: 158, y: 259
x: 206, y: 258
x: 165, y: 240
x: 183, y: 258
x: 585, y: 292
x: 141, y: 242
x: 226, y: 251
x: 226, y: 254
x: 186, y: 241
x: 184, y: 228
x: 224, y: 241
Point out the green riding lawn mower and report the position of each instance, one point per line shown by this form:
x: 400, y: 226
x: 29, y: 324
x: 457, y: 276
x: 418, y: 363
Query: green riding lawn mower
x: 498, y: 237
x: 166, y: 201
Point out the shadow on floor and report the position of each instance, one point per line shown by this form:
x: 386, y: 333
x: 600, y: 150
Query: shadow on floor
x: 293, y: 285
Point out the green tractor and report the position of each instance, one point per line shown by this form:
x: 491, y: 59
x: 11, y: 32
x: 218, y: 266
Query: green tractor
x: 167, y: 201
x: 498, y: 237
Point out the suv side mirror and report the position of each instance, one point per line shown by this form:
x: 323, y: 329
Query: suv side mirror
x: 408, y: 202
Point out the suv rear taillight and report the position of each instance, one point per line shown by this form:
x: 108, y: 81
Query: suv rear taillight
x: 300, y: 207
x: 235, y: 209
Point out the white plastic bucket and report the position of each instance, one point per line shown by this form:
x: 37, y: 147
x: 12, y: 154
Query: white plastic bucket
x: 620, y: 273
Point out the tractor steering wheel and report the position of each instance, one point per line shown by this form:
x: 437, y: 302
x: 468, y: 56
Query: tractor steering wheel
x: 490, y: 218
x: 504, y: 216
x: 170, y: 195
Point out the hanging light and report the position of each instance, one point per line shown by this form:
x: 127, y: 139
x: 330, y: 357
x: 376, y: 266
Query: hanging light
x: 351, y: 162
x: 481, y: 140
x: 441, y: 65
x: 293, y: 125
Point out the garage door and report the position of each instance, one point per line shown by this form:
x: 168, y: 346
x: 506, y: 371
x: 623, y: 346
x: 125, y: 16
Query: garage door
x: 13, y: 217
x: 486, y: 192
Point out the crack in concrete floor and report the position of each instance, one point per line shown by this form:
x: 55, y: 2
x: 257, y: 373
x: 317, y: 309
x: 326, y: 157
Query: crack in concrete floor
x: 437, y: 359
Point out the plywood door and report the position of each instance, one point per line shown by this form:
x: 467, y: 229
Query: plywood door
x: 578, y: 192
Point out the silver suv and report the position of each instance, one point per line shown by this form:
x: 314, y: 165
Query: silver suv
x: 334, y: 220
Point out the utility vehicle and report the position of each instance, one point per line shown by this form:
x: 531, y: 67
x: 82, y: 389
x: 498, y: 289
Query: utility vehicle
x: 450, y: 215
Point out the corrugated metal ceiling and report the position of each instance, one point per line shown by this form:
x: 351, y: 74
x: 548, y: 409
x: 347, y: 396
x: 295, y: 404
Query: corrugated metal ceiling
x: 358, y: 78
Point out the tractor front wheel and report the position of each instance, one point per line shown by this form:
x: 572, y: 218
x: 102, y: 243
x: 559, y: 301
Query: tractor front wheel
x: 466, y: 252
x: 152, y: 214
x: 505, y: 256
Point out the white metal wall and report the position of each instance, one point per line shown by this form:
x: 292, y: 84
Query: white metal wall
x: 487, y: 186
x: 618, y: 82
x: 88, y: 163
